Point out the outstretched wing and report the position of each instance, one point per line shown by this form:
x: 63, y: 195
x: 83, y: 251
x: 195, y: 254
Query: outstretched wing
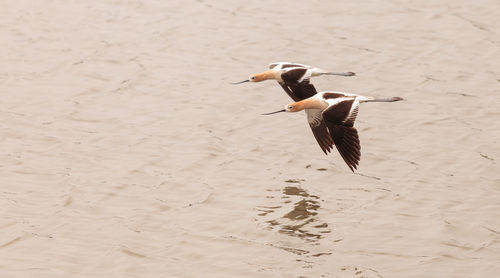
x: 299, y: 91
x: 283, y: 65
x: 319, y: 129
x: 340, y: 119
x: 296, y: 83
x: 347, y: 142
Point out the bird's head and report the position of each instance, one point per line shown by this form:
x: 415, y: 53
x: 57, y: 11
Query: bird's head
x: 258, y: 77
x: 292, y: 107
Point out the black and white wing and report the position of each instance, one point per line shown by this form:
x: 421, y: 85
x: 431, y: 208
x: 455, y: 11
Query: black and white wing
x: 296, y: 83
x: 339, y: 119
x: 319, y: 129
x: 283, y: 65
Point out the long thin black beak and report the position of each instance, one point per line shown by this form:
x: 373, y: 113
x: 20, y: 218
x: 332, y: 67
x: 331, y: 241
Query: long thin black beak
x: 349, y: 73
x: 240, y: 82
x: 282, y: 110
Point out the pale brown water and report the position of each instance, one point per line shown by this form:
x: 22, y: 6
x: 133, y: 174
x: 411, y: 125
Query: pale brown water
x: 126, y: 153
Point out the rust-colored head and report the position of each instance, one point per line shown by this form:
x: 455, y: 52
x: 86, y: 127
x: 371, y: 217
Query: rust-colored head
x: 294, y: 107
x: 258, y: 77
x: 309, y: 103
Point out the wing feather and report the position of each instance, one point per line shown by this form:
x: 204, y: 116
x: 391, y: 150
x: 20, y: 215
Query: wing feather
x: 347, y: 142
x: 340, y: 119
x: 319, y: 130
x: 289, y: 92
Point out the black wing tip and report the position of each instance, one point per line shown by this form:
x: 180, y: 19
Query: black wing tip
x: 349, y: 147
x: 351, y: 162
x: 355, y: 166
x: 326, y: 150
x: 323, y: 137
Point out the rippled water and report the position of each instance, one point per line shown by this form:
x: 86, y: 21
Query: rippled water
x: 126, y: 153
x: 295, y: 215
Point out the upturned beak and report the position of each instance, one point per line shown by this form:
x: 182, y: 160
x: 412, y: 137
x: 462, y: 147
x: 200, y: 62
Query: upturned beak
x: 240, y: 82
x: 282, y: 110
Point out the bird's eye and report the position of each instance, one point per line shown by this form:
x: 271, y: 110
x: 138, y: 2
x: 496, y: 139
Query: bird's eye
x: 253, y: 77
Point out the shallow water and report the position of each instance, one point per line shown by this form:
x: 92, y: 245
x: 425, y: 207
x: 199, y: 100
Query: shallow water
x: 127, y: 153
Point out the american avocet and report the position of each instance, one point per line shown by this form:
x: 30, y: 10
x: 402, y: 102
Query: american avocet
x: 293, y: 77
x: 333, y: 115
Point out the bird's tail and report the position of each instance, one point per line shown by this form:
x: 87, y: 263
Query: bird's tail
x: 349, y: 73
x: 318, y: 71
x: 380, y: 99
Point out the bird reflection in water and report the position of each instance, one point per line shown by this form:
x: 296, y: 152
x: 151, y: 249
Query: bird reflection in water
x: 299, y: 220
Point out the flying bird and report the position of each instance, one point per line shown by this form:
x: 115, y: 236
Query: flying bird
x: 293, y: 77
x: 295, y: 80
x: 337, y: 112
